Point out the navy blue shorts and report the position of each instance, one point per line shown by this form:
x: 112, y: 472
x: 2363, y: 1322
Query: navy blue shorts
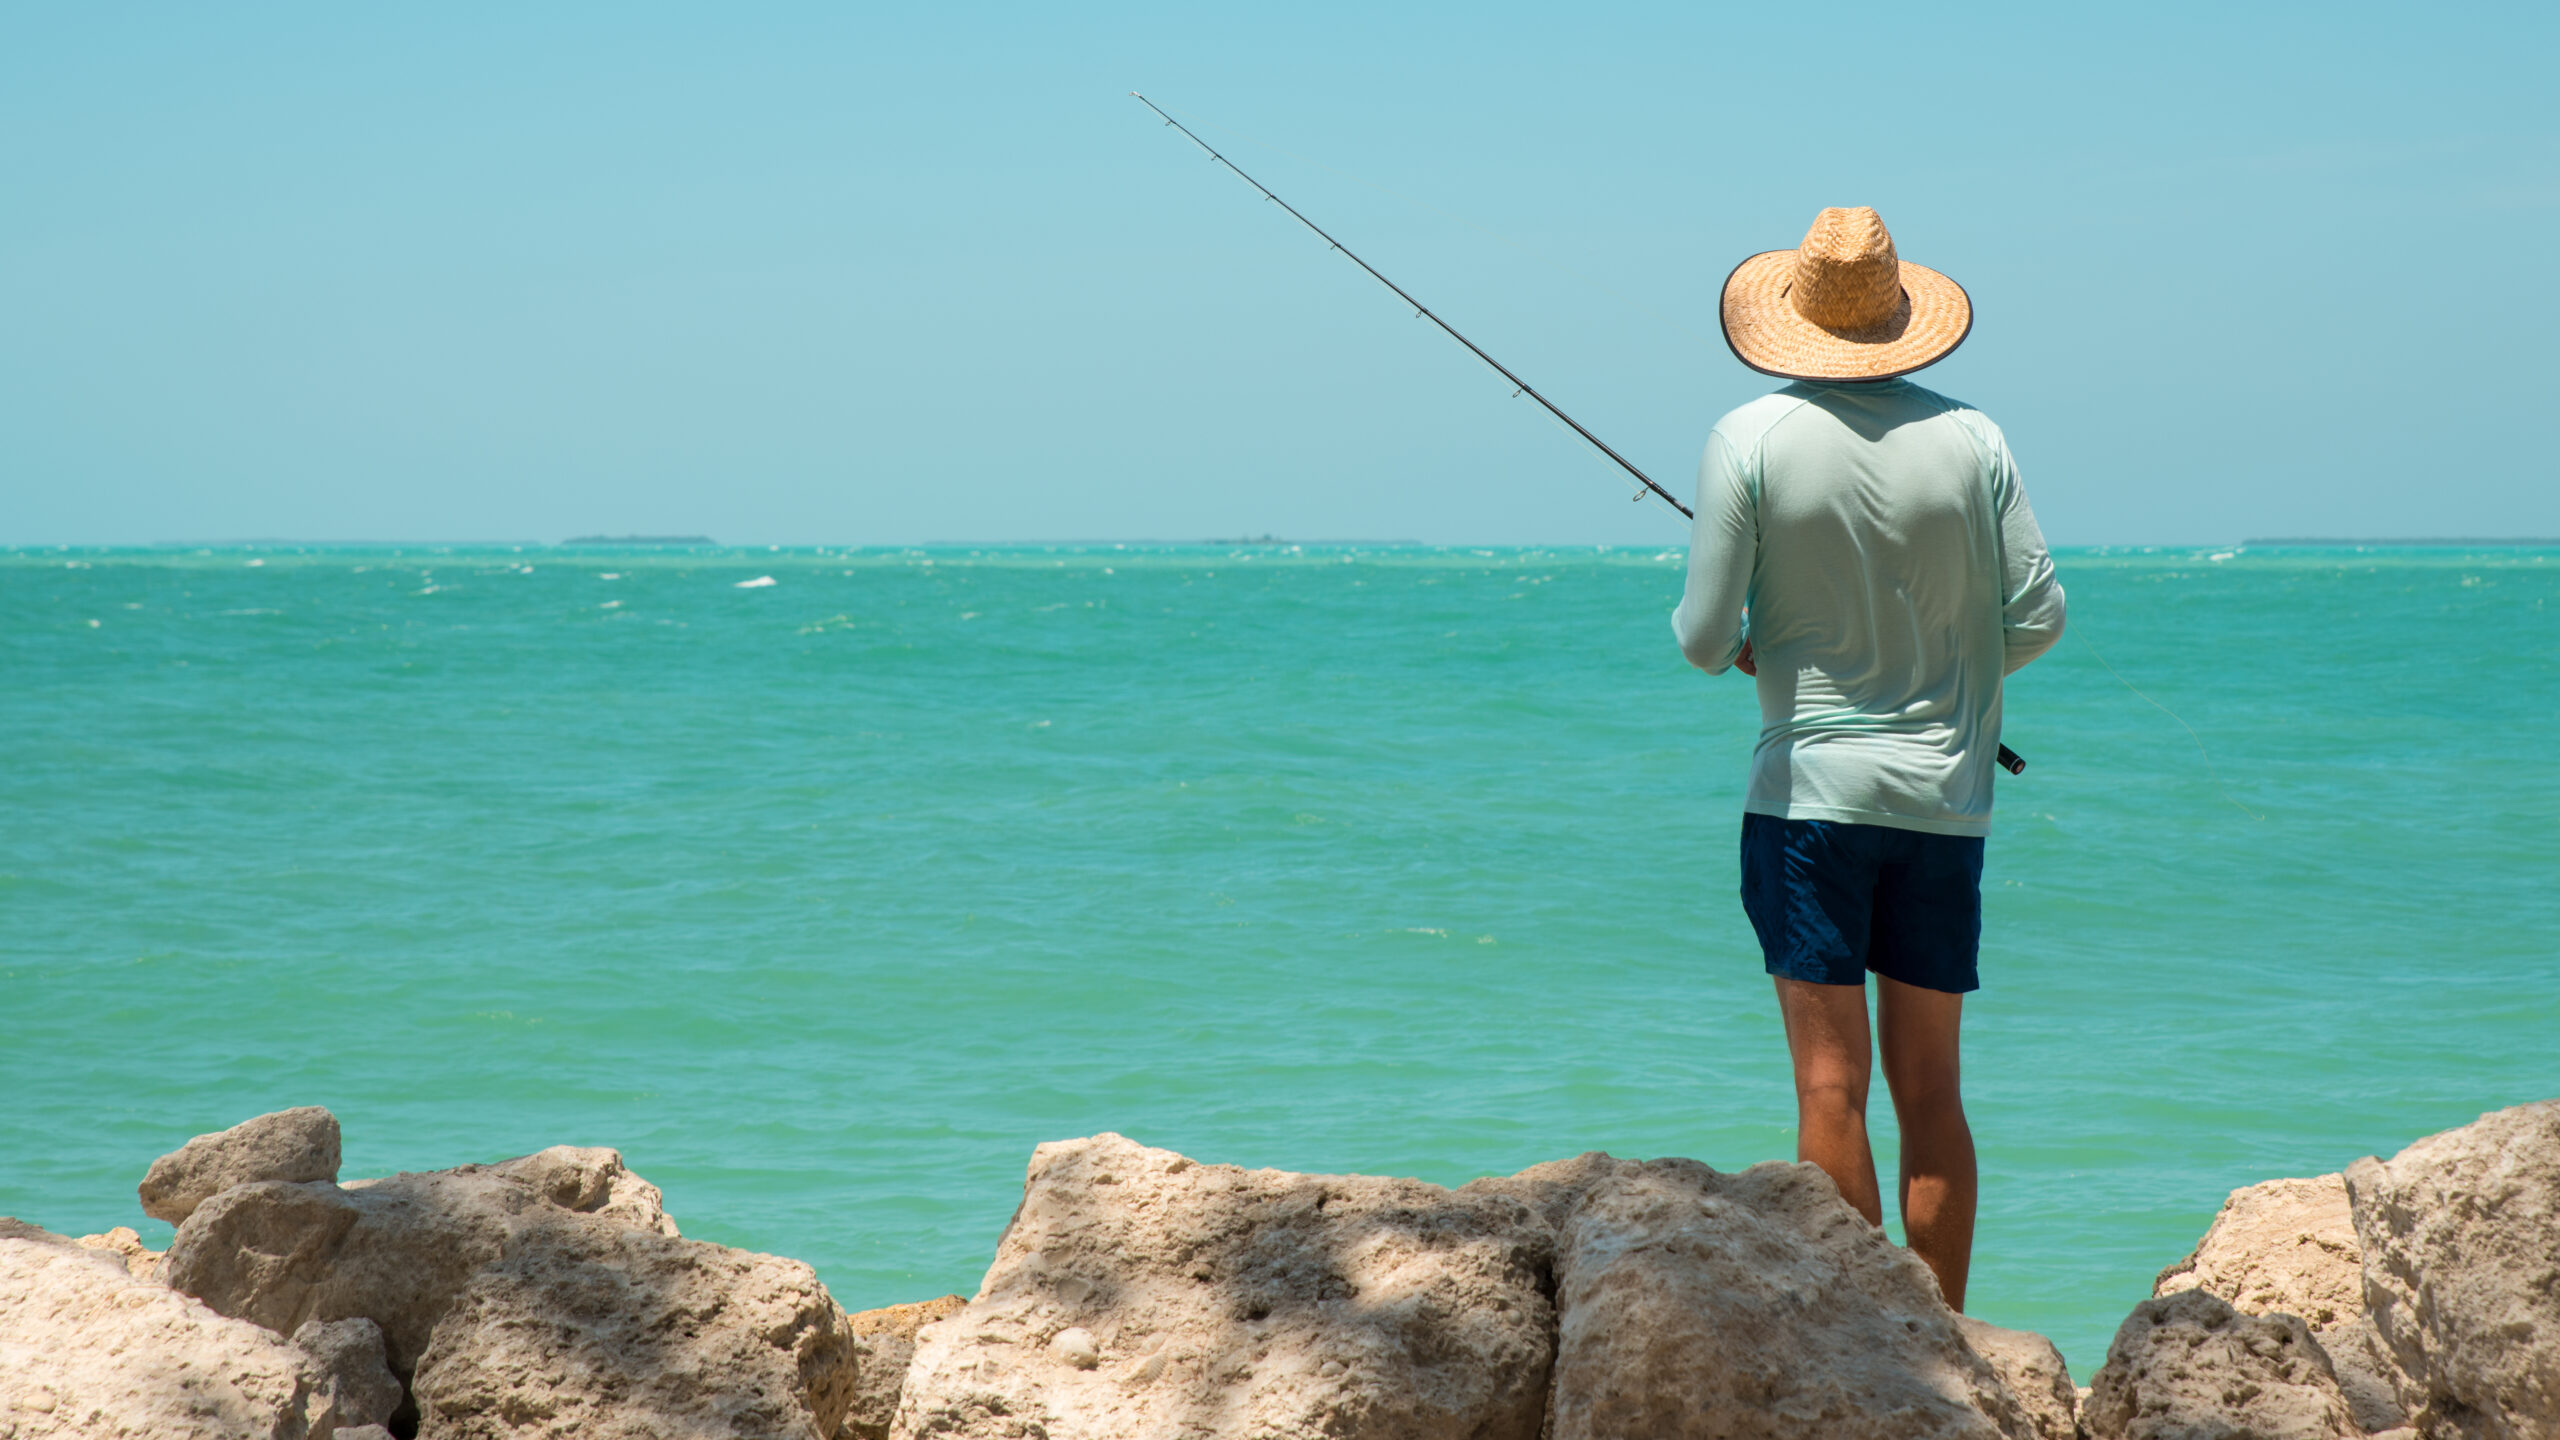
x: 1832, y: 901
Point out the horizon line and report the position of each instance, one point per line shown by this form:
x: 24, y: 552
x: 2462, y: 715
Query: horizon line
x: 587, y: 542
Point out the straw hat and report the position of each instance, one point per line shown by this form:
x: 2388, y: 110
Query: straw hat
x: 1842, y: 306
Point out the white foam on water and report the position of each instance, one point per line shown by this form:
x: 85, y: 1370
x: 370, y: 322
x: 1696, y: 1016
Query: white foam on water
x: 758, y: 583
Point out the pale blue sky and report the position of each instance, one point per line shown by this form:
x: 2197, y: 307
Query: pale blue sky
x: 824, y: 274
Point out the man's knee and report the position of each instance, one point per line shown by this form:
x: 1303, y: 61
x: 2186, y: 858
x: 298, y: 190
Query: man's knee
x: 1832, y: 1096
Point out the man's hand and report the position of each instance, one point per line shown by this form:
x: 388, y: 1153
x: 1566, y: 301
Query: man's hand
x: 1744, y: 663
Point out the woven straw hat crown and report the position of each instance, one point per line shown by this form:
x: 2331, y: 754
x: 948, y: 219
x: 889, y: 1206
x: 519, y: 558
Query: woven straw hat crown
x: 1847, y: 276
x: 1842, y: 305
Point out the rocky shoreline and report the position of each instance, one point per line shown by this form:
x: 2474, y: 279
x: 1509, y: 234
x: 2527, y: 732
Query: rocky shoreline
x: 1138, y: 1293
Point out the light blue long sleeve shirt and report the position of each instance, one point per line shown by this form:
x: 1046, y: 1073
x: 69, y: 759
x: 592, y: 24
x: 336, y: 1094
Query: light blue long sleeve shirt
x: 1877, y: 544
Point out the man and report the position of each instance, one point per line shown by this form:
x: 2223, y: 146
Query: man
x: 1863, y: 548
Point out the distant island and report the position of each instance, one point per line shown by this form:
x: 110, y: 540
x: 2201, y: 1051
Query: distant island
x: 2447, y: 541
x: 1281, y: 540
x: 1088, y: 543
x: 273, y: 543
x: 639, y: 540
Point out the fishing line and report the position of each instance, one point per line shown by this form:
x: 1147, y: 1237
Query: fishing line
x: 2209, y: 767
x: 1478, y: 226
x: 1632, y: 303
x: 1519, y: 387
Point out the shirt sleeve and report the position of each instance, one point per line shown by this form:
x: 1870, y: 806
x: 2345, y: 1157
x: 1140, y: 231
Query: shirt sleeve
x: 1724, y: 543
x: 2030, y: 598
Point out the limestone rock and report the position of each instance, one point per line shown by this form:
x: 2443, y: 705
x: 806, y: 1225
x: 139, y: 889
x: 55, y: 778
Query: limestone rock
x: 2289, y: 1246
x: 591, y: 1330
x: 298, y: 1144
x: 1222, y: 1301
x: 352, y: 1384
x: 592, y: 1181
x: 2461, y: 1237
x: 544, y: 1295
x: 140, y: 1260
x: 2033, y: 1369
x: 2286, y: 1245
x: 13, y: 1228
x: 87, y: 1351
x: 2190, y: 1367
x: 1700, y: 1304
x: 262, y: 1252
x: 887, y: 1338
x: 2367, y: 1375
x: 395, y: 1251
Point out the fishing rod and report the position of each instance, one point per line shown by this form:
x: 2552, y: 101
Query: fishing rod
x: 1521, y: 387
x: 2008, y: 758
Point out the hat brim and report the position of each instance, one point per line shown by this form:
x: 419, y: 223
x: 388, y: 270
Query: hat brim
x: 1767, y: 334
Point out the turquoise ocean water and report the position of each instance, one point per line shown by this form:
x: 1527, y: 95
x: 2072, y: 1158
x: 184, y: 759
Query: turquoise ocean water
x: 826, y: 899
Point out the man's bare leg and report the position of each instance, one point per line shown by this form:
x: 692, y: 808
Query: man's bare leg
x: 1827, y: 1037
x: 1939, y: 1185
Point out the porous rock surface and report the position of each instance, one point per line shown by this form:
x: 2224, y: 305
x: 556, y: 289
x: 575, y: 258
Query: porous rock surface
x: 886, y: 1341
x: 396, y: 1251
x: 2286, y: 1245
x: 2190, y: 1367
x: 352, y: 1385
x: 140, y: 1260
x: 548, y: 1295
x: 294, y: 1145
x: 88, y: 1352
x: 592, y: 1180
x: 1694, y: 1303
x: 2033, y: 1369
x: 2461, y: 1241
x: 2289, y: 1247
x: 589, y: 1330
x: 1138, y: 1295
